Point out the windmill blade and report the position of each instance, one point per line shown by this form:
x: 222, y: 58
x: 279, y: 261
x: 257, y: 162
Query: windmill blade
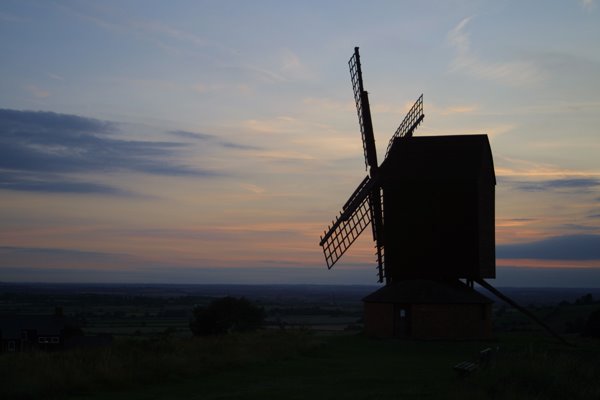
x: 409, y: 123
x: 356, y: 215
x: 361, y: 98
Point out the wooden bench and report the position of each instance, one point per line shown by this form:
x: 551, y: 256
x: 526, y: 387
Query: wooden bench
x: 465, y: 368
x: 486, y: 359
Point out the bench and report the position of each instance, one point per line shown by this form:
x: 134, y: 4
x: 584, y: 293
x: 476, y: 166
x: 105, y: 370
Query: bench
x: 465, y: 368
x: 486, y: 359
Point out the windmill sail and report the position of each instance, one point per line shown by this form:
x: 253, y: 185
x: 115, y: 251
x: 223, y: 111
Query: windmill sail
x: 363, y: 110
x: 356, y: 215
x: 409, y: 123
x: 351, y: 222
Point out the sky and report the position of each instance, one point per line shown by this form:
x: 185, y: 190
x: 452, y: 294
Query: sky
x: 213, y: 141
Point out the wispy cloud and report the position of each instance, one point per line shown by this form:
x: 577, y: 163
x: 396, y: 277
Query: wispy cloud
x: 164, y: 36
x: 53, y: 183
x: 37, y: 91
x: 276, y: 125
x: 55, y: 76
x: 292, y: 66
x: 513, y: 72
x: 570, y: 247
x: 39, y: 151
x: 588, y: 5
x: 464, y: 109
x: 578, y: 184
x: 513, y: 222
x: 213, y: 139
x: 513, y: 167
x: 71, y: 258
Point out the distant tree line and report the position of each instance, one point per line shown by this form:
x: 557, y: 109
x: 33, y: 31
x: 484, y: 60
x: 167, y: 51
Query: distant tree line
x: 586, y: 299
x: 226, y: 315
x: 589, y: 327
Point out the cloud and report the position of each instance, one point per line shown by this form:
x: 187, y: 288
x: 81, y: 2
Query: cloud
x: 212, y: 139
x: 68, y: 258
x: 39, y: 149
x: 52, y: 183
x: 581, y: 228
x: 515, y: 276
x: 275, y: 273
x: 37, y: 92
x: 191, y: 135
x: 569, y: 247
x: 464, y: 109
x: 588, y: 5
x: 55, y: 76
x: 292, y: 66
x: 580, y: 184
x: 515, y: 73
x: 511, y: 167
x: 513, y: 222
x: 47, y: 251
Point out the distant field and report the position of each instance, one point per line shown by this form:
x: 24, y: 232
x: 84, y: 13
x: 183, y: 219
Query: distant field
x: 150, y: 310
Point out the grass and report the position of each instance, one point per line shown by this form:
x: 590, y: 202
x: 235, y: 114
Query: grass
x: 299, y: 365
x: 129, y: 363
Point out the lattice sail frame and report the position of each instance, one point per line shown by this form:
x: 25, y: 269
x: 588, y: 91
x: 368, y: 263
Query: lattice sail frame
x: 410, y: 122
x: 361, y: 98
x: 344, y: 232
x: 357, y: 214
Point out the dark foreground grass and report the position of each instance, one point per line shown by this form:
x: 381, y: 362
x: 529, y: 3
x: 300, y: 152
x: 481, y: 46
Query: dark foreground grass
x: 300, y: 365
x: 137, y: 364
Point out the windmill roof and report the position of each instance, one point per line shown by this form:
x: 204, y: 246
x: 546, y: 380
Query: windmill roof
x: 431, y: 158
x: 420, y: 291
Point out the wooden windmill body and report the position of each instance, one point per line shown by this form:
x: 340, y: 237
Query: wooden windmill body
x: 430, y: 204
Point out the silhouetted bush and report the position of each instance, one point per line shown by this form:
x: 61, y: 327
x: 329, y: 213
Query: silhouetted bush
x: 592, y: 327
x: 585, y: 299
x: 227, y: 315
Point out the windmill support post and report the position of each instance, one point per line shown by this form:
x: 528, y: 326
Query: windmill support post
x: 525, y: 311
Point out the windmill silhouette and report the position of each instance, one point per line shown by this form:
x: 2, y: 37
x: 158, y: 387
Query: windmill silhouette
x: 431, y: 207
x: 365, y: 205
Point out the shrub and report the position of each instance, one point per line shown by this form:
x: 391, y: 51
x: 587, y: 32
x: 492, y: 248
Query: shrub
x: 225, y: 315
x: 592, y: 327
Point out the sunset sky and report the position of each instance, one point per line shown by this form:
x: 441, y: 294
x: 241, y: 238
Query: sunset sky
x: 213, y: 141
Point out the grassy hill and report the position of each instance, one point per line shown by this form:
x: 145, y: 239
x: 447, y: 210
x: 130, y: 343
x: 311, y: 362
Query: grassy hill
x: 298, y: 364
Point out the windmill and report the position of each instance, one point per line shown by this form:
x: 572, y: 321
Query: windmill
x: 365, y: 206
x: 430, y: 204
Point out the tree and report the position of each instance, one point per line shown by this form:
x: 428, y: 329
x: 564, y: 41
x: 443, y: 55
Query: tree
x: 585, y: 299
x: 225, y: 315
x: 592, y: 327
